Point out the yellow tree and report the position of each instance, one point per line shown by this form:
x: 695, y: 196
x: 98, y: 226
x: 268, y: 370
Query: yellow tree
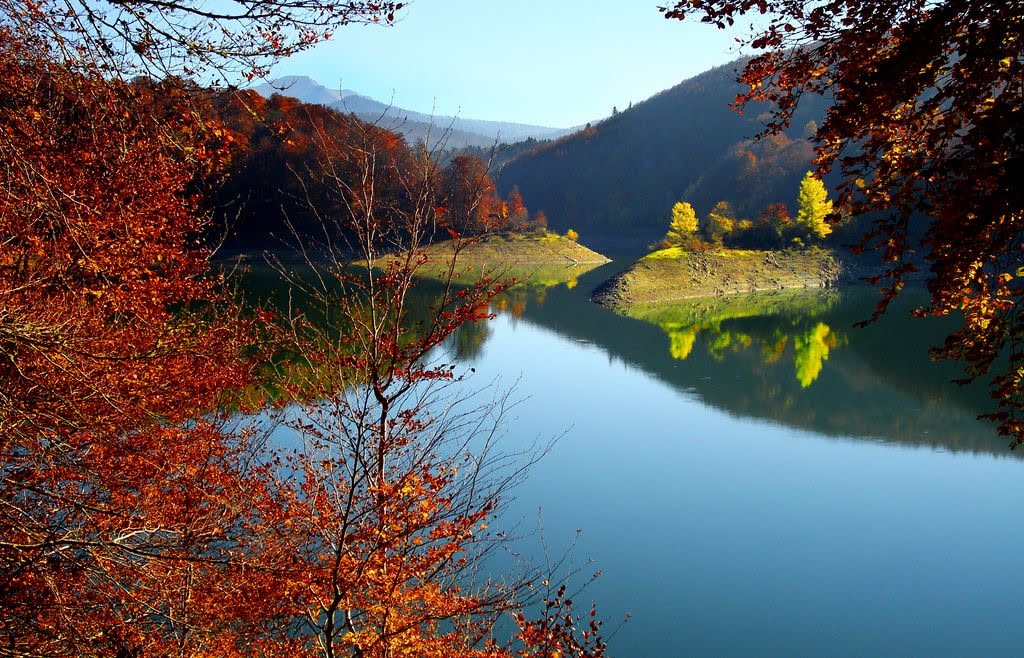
x: 813, y: 205
x: 683, y: 223
x: 720, y: 222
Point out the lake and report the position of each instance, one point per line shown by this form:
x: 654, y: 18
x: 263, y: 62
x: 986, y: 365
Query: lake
x: 760, y: 482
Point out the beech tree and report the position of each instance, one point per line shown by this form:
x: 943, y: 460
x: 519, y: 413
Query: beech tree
x: 186, y: 37
x: 924, y: 129
x: 471, y: 204
x: 139, y: 515
x: 516, y: 205
x: 119, y: 483
x: 719, y: 223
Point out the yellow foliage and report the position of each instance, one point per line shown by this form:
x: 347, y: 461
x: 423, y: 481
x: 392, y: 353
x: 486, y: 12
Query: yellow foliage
x: 812, y: 350
x: 814, y: 205
x: 681, y: 342
x: 669, y: 253
x: 683, y: 223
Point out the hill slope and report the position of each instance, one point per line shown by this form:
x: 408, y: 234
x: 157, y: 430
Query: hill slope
x: 614, y: 182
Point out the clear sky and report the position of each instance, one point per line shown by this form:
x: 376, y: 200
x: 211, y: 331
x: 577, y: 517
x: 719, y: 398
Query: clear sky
x: 556, y: 63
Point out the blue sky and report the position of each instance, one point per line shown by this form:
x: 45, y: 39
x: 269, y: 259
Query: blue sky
x: 548, y: 62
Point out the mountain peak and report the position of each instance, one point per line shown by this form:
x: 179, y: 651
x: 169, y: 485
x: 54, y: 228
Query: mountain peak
x: 302, y: 87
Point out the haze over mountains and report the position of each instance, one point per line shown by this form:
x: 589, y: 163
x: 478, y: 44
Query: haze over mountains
x: 413, y: 125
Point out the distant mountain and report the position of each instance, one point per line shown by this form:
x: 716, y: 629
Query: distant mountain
x: 458, y: 132
x: 616, y: 180
x: 304, y: 88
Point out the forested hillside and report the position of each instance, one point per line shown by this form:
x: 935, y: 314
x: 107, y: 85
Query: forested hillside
x: 290, y: 169
x: 615, y: 181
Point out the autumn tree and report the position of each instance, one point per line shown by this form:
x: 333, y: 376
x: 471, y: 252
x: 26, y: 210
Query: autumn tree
x: 516, y: 205
x: 682, y: 224
x: 395, y: 472
x: 813, y: 207
x: 120, y: 483
x: 470, y: 197
x: 719, y: 223
x: 186, y: 37
x: 139, y: 514
x: 923, y: 127
x: 540, y: 220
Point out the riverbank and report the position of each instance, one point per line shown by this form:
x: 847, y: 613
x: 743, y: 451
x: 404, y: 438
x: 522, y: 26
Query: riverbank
x: 675, y: 274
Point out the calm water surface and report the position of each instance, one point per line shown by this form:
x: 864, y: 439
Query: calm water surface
x: 755, y: 485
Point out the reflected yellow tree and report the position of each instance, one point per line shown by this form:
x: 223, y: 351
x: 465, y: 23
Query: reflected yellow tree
x: 725, y: 329
x: 725, y: 340
x: 811, y: 351
x: 772, y: 350
x: 681, y: 341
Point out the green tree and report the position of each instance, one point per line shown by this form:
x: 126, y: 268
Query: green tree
x: 813, y: 206
x: 683, y: 223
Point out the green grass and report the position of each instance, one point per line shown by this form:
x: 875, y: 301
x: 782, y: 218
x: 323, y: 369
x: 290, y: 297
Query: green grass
x: 669, y: 252
x: 544, y: 260
x: 674, y: 274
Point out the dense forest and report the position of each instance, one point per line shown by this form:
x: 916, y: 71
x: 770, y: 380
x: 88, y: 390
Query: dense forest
x: 288, y: 166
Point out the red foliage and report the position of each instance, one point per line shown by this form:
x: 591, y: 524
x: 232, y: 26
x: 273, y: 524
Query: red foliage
x: 470, y: 196
x: 137, y: 515
x: 113, y: 334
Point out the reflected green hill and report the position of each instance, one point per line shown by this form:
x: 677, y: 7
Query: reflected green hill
x: 716, y: 319
x: 320, y: 304
x: 788, y: 357
x: 794, y: 359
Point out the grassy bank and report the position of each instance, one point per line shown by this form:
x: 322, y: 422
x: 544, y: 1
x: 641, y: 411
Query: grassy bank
x: 536, y: 260
x: 676, y: 274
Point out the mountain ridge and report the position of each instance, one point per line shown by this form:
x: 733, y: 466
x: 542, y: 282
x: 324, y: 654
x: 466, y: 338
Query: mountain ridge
x: 456, y: 132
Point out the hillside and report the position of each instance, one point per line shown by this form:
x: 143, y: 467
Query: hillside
x: 457, y: 132
x: 615, y: 181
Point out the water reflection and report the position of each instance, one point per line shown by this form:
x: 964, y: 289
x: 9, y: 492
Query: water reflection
x: 811, y: 350
x: 791, y: 358
x: 715, y: 322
